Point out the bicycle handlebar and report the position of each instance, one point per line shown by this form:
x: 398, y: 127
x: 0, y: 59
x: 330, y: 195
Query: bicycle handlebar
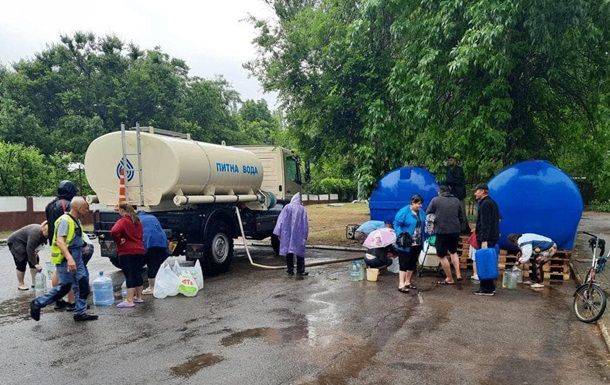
x: 593, y: 235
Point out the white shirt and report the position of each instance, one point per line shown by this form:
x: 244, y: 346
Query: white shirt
x: 527, y: 250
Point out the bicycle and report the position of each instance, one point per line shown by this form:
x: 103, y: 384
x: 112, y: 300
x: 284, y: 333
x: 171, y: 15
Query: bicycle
x: 589, y: 297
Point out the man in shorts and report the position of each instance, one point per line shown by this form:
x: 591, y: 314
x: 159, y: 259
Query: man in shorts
x: 448, y: 219
x: 24, y: 245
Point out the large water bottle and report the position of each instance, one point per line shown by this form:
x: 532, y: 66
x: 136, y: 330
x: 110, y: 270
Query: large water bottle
x: 124, y: 290
x: 355, y: 271
x: 40, y: 283
x: 103, y: 295
x: 49, y: 269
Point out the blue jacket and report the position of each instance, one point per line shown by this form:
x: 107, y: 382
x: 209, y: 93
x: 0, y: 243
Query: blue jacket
x: 153, y: 236
x: 405, y: 221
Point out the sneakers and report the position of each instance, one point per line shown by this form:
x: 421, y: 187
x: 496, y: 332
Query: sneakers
x: 85, y: 317
x: 34, y: 311
x: 289, y: 272
x: 475, y: 278
x: 528, y: 282
x: 485, y: 293
x: 62, y: 305
x: 536, y: 286
x: 147, y: 291
x: 303, y: 274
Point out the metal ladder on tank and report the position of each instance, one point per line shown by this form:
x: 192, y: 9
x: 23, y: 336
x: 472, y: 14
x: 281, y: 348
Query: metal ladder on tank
x: 138, y: 155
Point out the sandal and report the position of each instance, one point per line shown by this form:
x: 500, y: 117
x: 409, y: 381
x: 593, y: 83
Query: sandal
x: 125, y: 304
x: 411, y: 286
x: 23, y: 288
x: 138, y: 300
x: 445, y: 283
x: 403, y: 289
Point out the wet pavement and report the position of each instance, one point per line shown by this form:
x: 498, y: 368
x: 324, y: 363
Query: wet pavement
x: 254, y: 326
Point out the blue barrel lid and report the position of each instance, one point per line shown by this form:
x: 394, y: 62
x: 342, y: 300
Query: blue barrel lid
x: 395, y: 189
x: 537, y: 197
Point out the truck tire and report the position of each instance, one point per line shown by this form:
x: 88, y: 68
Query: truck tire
x: 218, y: 246
x: 275, y: 243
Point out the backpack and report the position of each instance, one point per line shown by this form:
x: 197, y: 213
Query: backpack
x: 404, y: 240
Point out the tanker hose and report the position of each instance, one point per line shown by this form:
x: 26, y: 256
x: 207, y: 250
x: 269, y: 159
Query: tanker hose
x: 243, y: 235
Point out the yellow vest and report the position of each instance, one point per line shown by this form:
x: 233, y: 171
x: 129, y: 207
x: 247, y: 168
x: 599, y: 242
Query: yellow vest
x: 56, y: 255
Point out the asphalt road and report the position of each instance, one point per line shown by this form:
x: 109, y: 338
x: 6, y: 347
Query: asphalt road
x: 254, y: 326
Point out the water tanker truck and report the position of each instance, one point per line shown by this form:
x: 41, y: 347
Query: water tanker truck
x: 193, y: 188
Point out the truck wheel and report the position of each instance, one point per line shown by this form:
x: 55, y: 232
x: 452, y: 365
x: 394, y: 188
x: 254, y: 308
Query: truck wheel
x: 218, y: 249
x: 275, y: 243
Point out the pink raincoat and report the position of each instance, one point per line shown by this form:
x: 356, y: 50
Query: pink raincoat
x: 292, y: 228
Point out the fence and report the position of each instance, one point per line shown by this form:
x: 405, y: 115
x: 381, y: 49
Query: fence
x: 16, y: 212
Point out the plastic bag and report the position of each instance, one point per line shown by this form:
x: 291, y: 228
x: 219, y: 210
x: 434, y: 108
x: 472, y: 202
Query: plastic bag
x: 394, y: 267
x: 167, y: 281
x: 188, y: 286
x: 195, y: 272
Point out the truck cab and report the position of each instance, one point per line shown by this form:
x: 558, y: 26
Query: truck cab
x: 282, y: 171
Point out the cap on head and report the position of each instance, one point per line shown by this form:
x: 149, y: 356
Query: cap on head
x: 67, y: 190
x: 481, y: 186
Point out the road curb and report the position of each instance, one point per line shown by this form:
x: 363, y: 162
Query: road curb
x: 603, y: 328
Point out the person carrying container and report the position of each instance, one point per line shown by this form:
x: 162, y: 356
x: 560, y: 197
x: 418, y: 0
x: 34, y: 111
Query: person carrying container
x: 448, y: 217
x: 24, y: 245
x: 66, y: 190
x: 155, y: 243
x: 66, y: 255
x: 487, y: 231
x: 127, y: 233
x: 537, y: 250
x: 292, y: 229
x: 409, y: 225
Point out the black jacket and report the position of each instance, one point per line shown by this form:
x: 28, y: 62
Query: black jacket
x: 457, y: 181
x: 60, y: 205
x: 488, y: 221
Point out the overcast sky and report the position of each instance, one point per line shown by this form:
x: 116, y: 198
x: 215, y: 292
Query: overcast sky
x: 210, y: 35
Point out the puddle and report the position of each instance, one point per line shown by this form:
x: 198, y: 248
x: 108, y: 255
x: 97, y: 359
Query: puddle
x: 15, y: 310
x: 270, y: 335
x: 195, y: 364
x: 349, y: 364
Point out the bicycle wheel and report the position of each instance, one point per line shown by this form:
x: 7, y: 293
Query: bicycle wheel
x: 589, y: 302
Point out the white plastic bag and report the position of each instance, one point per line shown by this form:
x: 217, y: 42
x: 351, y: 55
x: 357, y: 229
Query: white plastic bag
x: 197, y: 274
x: 167, y: 281
x: 429, y: 259
x: 188, y: 286
x: 394, y: 267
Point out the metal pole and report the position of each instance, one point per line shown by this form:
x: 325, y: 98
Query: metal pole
x: 139, y: 144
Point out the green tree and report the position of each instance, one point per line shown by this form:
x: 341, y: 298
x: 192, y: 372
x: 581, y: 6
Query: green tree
x: 381, y: 83
x: 23, y: 170
x: 257, y: 124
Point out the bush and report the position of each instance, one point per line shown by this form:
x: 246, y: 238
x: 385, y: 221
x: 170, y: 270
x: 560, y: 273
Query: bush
x: 346, y: 188
x: 600, y: 206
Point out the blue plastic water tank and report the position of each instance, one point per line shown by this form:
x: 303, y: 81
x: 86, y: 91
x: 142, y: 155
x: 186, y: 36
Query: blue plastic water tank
x: 536, y: 197
x: 395, y: 189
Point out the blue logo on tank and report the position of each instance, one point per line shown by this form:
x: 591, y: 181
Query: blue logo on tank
x: 129, y: 170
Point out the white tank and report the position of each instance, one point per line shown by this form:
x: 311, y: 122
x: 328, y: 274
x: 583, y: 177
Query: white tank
x: 170, y: 166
